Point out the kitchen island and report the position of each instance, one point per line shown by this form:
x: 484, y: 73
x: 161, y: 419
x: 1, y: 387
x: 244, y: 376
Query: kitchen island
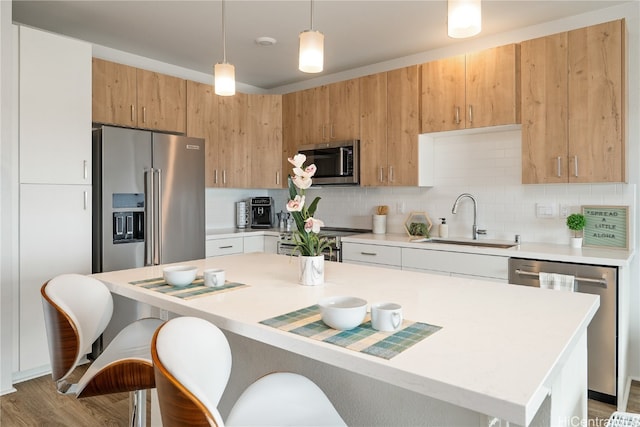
x: 510, y: 352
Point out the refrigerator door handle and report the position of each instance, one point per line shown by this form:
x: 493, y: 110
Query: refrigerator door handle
x: 158, y: 236
x: 148, y: 213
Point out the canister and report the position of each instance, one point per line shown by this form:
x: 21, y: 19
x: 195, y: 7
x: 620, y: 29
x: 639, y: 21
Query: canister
x: 242, y: 214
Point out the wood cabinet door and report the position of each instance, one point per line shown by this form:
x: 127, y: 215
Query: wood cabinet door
x: 233, y: 148
x: 292, y: 129
x: 315, y: 115
x: 373, y: 130
x: 403, y: 125
x: 492, y: 87
x: 442, y: 96
x: 161, y: 102
x: 544, y: 110
x: 114, y: 93
x: 264, y: 135
x: 344, y: 109
x: 596, y: 101
x: 202, y: 122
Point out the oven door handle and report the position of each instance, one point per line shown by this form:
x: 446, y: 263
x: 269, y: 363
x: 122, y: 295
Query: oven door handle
x: 602, y: 282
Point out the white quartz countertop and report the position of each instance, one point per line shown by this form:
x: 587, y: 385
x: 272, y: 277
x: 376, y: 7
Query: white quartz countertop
x: 499, y: 349
x: 540, y: 251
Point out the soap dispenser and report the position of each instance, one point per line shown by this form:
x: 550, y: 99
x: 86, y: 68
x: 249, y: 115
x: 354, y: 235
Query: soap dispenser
x: 444, y: 228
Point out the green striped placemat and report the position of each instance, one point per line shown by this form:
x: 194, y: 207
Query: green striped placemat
x: 196, y: 289
x: 364, y: 338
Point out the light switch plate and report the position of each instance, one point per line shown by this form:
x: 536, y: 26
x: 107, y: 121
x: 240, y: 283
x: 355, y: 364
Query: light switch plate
x: 545, y: 210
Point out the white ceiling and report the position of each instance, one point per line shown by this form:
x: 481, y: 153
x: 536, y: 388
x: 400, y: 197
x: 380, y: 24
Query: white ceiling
x: 357, y: 32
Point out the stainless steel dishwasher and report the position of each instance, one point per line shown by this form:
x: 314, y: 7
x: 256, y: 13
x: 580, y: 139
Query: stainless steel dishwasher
x: 602, y: 334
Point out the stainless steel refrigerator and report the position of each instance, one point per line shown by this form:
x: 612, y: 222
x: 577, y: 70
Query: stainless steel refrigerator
x: 148, y: 204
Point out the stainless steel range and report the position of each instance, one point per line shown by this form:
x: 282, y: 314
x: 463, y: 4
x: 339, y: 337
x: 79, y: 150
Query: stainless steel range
x: 333, y: 253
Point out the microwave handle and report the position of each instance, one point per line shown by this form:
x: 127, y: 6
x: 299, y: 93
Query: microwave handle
x: 343, y: 160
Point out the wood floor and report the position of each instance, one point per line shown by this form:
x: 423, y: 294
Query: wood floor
x: 37, y: 404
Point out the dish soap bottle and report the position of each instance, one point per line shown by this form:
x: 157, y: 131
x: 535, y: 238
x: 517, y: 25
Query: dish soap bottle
x: 444, y: 228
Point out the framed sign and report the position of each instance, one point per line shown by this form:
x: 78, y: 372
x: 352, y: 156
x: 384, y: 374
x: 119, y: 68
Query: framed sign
x: 606, y: 226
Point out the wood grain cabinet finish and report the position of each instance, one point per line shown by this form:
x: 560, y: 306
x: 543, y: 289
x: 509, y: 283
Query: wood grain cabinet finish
x: 292, y: 128
x: 132, y: 97
x: 573, y: 106
x: 389, y: 127
x: 243, y: 136
x: 472, y: 91
x: 330, y: 112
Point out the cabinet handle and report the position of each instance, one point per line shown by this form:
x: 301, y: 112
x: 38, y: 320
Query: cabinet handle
x: 323, y: 135
x: 559, y: 167
x: 331, y: 135
x: 215, y: 176
x: 390, y: 173
x: 224, y: 177
x: 575, y: 165
x: 381, y: 174
x: 368, y: 253
x: 277, y: 177
x: 144, y: 114
x: 225, y: 247
x: 457, y: 115
x: 85, y: 173
x: 86, y: 199
x: 133, y: 113
x: 470, y: 114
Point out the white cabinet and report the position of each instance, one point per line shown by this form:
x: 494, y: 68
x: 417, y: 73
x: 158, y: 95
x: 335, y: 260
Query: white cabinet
x: 55, y: 109
x: 271, y: 244
x: 55, y: 176
x: 55, y: 238
x: 253, y: 244
x: 224, y: 246
x: 459, y: 264
x: 383, y: 256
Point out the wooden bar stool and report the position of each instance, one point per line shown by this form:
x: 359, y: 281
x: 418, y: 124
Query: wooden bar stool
x: 77, y: 309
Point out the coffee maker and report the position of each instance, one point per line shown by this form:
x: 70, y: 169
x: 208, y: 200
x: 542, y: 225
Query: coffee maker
x: 261, y: 212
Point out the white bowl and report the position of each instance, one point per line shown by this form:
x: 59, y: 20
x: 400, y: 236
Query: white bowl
x: 343, y: 313
x: 179, y: 275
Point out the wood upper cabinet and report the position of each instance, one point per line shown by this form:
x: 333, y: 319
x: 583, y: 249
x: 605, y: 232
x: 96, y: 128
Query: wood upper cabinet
x: 471, y: 91
x: 292, y: 128
x: 133, y: 97
x: 389, y: 126
x: 331, y: 112
x: 572, y: 106
x: 202, y: 122
x: 265, y: 139
x: 233, y: 143
x: 403, y: 125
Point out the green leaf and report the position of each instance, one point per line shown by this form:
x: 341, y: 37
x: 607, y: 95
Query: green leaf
x: 313, y: 206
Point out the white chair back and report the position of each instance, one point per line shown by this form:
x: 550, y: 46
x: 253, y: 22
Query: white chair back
x: 87, y: 302
x: 197, y: 354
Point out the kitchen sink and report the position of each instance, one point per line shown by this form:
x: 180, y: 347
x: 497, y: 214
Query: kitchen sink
x: 477, y: 243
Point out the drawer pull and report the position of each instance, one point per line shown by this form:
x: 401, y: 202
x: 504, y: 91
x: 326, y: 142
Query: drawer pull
x: 225, y: 247
x: 368, y: 253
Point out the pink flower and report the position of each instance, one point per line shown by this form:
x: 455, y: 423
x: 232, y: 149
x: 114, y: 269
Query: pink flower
x: 312, y: 224
x: 296, y: 204
x: 298, y: 160
x: 302, y: 182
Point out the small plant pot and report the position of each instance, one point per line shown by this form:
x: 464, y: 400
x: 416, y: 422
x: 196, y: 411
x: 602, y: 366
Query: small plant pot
x: 576, y: 242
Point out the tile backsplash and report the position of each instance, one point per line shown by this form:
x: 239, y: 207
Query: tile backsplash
x: 486, y: 165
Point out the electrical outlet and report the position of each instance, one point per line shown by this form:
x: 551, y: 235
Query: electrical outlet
x: 400, y: 207
x: 565, y: 210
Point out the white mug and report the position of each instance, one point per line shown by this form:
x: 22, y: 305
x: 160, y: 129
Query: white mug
x: 386, y: 316
x: 214, y: 277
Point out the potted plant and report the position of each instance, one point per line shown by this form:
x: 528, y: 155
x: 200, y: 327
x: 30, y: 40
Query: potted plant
x: 576, y: 223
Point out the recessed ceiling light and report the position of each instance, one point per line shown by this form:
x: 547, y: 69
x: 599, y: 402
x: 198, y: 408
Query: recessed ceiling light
x: 265, y: 41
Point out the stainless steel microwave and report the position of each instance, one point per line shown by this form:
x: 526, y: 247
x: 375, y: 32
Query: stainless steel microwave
x: 337, y: 163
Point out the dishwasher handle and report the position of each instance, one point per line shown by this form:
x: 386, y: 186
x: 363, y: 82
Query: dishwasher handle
x: 602, y: 282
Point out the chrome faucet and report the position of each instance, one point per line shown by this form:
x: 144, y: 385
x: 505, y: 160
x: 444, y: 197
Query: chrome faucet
x: 474, y: 229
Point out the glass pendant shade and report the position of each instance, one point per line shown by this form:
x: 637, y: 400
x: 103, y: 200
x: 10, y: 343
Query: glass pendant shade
x: 465, y: 18
x: 224, y: 79
x: 311, y: 51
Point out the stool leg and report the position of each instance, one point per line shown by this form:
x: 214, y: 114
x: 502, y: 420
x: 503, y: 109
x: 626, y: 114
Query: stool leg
x: 138, y: 408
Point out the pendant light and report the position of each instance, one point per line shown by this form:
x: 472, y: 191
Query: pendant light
x: 465, y: 18
x: 311, y: 58
x: 224, y: 73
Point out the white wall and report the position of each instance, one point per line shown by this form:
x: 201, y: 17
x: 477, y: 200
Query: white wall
x: 8, y: 180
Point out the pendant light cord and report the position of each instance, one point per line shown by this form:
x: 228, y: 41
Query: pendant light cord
x: 311, y: 15
x: 224, y: 36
